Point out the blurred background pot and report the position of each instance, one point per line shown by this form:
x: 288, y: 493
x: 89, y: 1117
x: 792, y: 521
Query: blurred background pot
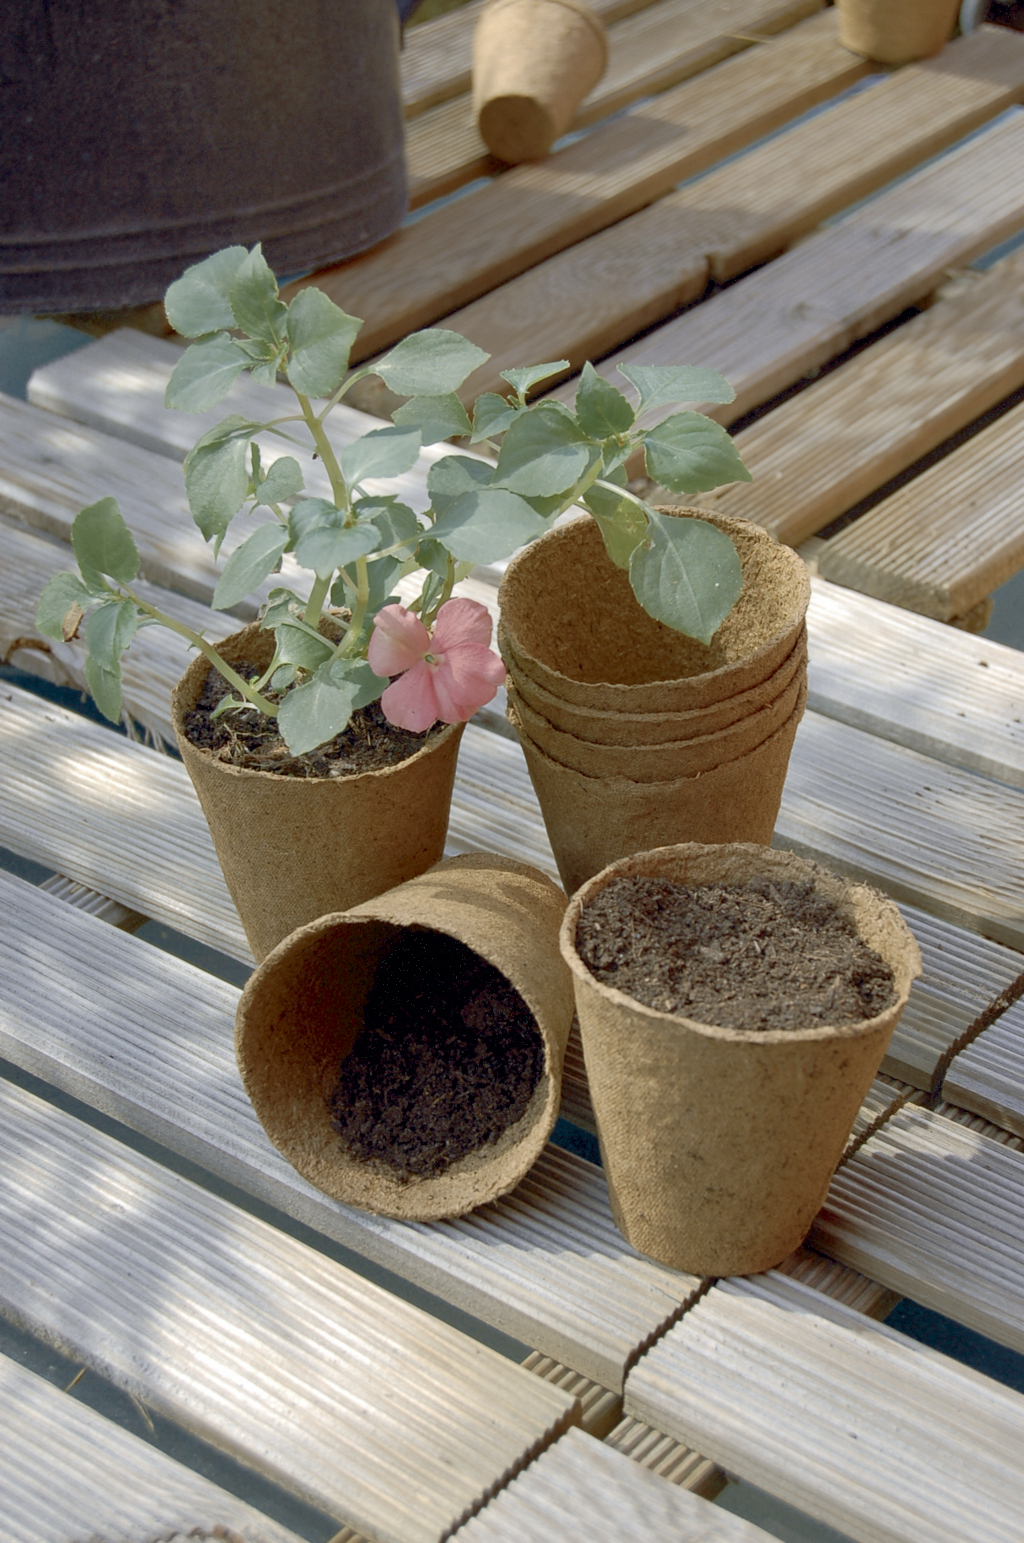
x: 138, y: 139
x: 896, y: 31
x: 302, y: 1010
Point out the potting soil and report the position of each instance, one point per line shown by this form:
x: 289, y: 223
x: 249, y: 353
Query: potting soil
x: 245, y: 737
x: 448, y: 1058
x: 768, y: 955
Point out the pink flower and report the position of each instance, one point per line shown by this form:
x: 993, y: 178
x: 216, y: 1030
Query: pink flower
x: 447, y: 676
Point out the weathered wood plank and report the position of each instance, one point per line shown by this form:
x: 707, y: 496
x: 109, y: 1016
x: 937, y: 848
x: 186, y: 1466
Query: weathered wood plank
x: 947, y: 539
x: 658, y: 47
x: 932, y: 1209
x: 465, y: 248
x: 827, y: 448
x: 253, y: 1340
x: 914, y: 1446
x: 66, y: 1472
x: 788, y: 319
x: 123, y: 1026
x: 988, y: 1077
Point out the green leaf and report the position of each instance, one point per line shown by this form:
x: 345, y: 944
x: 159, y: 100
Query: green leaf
x: 204, y: 374
x: 622, y: 523
x: 454, y: 475
x: 600, y: 409
x: 312, y: 714
x: 488, y: 524
x: 436, y: 417
x: 310, y: 514
x: 396, y: 522
x: 63, y: 591
x: 687, y: 574
x: 381, y: 453
x: 283, y: 678
x: 542, y: 453
x: 522, y: 380
x: 103, y: 544
x: 321, y: 336
x: 254, y: 302
x: 108, y: 630
x: 104, y: 688
x: 249, y: 565
x: 283, y: 480
x: 692, y: 454
x: 433, y: 556
x: 658, y: 384
x: 327, y: 547
x: 216, y: 478
x: 381, y: 575
x: 430, y: 363
x: 199, y: 302
x: 492, y: 415
x: 281, y: 606
x: 301, y: 645
x: 266, y: 374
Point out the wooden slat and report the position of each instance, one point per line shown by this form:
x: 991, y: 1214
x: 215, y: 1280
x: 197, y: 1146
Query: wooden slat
x: 788, y: 319
x: 988, y: 1077
x: 253, y: 1340
x: 827, y: 448
x: 465, y: 248
x: 660, y: 46
x: 980, y: 1126
x: 582, y: 1489
x: 66, y: 1472
x: 947, y: 539
x: 851, y: 1422
x: 124, y: 1027
x: 932, y: 1210
x: 600, y: 1408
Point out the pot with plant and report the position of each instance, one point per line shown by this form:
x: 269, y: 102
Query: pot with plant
x: 896, y: 31
x: 735, y: 1003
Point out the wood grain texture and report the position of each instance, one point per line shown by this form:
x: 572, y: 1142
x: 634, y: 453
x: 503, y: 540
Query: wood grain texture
x: 601, y: 292
x: 465, y: 248
x: 787, y: 319
x: 658, y: 47
x: 947, y: 539
x: 988, y: 1077
x: 848, y: 434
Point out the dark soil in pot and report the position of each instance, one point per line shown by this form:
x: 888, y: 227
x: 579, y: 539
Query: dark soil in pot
x: 248, y: 738
x: 758, y: 956
x: 448, y: 1059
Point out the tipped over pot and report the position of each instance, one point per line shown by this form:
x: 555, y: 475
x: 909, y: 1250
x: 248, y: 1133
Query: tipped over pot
x: 295, y: 848
x: 303, y: 1012
x: 719, y: 1143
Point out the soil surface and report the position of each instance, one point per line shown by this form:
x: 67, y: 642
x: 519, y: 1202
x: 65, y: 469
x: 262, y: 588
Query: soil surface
x: 245, y: 737
x: 769, y: 955
x: 448, y: 1058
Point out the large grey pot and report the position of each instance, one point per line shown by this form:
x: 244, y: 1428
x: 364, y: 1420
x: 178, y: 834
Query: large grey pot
x: 138, y: 136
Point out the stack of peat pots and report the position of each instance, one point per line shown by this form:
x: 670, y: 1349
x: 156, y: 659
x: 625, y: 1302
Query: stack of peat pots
x: 635, y: 735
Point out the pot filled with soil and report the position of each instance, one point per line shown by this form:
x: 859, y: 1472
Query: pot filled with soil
x: 406, y: 1057
x: 300, y: 836
x: 896, y: 31
x: 735, y: 1004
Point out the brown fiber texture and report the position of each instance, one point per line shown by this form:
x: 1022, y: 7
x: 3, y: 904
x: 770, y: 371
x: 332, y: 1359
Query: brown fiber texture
x: 593, y: 821
x: 303, y: 1008
x: 719, y: 1144
x: 624, y: 728
x: 655, y: 763
x: 896, y: 31
x: 533, y: 63
x: 295, y: 848
x: 570, y: 621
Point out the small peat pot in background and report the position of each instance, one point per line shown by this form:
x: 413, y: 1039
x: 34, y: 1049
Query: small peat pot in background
x: 406, y: 1056
x: 724, y: 1098
x: 896, y: 31
x: 300, y: 836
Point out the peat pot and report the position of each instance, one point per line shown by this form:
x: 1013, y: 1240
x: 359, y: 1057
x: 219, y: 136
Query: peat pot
x: 138, y: 139
x: 718, y: 1143
x: 896, y: 31
x: 295, y: 848
x: 301, y: 1011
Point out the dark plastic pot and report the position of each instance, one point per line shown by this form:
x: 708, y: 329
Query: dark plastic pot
x: 137, y: 139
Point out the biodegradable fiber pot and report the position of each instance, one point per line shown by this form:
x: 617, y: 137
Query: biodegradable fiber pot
x: 533, y: 63
x: 295, y: 848
x: 301, y: 1011
x: 719, y: 1144
x: 896, y: 31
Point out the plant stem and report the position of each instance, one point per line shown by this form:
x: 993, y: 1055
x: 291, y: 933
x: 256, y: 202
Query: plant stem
x: 446, y: 594
x: 327, y: 455
x: 198, y: 641
x: 315, y: 603
x: 350, y: 642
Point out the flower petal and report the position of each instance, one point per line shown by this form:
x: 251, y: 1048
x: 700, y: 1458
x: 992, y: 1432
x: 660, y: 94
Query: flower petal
x: 466, y: 678
x: 460, y: 622
x: 398, y: 641
x: 410, y: 702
